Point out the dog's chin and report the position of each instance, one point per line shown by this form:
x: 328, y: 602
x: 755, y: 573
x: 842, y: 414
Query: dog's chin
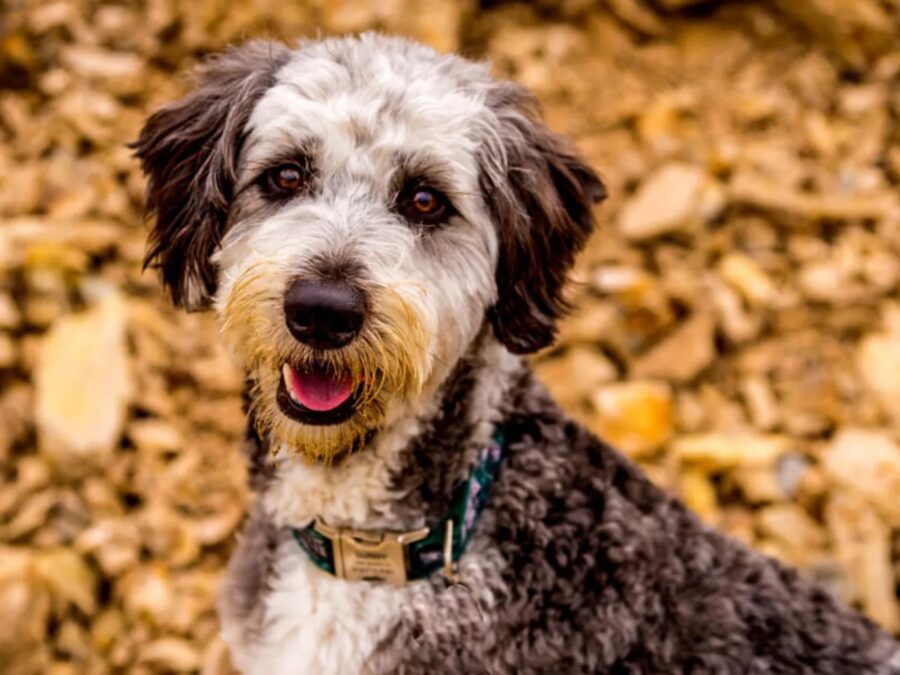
x: 316, y: 397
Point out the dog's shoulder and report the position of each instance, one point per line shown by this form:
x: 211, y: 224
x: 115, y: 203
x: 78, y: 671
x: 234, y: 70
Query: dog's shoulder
x: 582, y: 564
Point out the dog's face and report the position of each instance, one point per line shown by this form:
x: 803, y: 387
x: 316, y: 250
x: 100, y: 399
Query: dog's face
x: 357, y: 211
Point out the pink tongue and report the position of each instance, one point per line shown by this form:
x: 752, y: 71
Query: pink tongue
x: 320, y: 391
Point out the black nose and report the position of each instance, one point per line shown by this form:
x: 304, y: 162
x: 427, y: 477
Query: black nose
x: 323, y: 314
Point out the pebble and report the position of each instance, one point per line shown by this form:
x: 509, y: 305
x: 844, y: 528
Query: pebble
x: 681, y: 356
x: 867, y: 462
x: 749, y: 278
x: 636, y: 416
x: 878, y: 360
x: 83, y: 384
x: 575, y: 375
x: 667, y: 201
x: 725, y: 450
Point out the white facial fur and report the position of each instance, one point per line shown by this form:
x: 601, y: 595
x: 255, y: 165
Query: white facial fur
x: 363, y: 115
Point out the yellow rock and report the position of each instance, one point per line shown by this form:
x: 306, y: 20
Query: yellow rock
x: 83, y: 384
x: 667, y: 201
x: 878, y: 360
x: 862, y: 543
x: 68, y: 576
x: 575, y: 375
x: 699, y: 494
x: 798, y: 534
x: 747, y: 277
x: 868, y: 463
x: 726, y: 450
x: 682, y: 355
x: 637, y: 417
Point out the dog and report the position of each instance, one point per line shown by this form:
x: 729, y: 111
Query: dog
x: 383, y: 233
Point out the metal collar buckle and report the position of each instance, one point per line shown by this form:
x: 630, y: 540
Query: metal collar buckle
x: 361, y: 555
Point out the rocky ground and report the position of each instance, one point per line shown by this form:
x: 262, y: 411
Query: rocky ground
x: 738, y: 330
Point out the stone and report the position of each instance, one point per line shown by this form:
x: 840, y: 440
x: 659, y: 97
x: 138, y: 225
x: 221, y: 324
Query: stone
x: 155, y: 435
x: 867, y: 462
x: 588, y: 324
x: 8, y: 352
x: 748, y: 278
x: 753, y: 190
x: 83, y: 384
x: 699, y: 494
x: 681, y: 356
x: 726, y: 450
x: 855, y: 30
x: 25, y: 607
x: 667, y: 201
x: 10, y: 316
x: 575, y: 375
x: 68, y: 575
x: 760, y: 401
x: 878, y: 360
x: 793, y: 527
x: 637, y: 417
x: 862, y: 543
x: 171, y: 655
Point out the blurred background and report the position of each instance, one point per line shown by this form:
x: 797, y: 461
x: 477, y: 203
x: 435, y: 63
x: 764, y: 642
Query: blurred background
x: 738, y: 322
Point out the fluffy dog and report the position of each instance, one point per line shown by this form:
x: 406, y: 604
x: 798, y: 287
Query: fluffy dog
x: 383, y: 232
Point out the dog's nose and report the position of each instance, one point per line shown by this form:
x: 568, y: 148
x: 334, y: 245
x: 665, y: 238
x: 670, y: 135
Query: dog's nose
x: 322, y: 314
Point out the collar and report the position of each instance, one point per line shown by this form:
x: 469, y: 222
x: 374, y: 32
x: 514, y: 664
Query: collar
x: 398, y: 557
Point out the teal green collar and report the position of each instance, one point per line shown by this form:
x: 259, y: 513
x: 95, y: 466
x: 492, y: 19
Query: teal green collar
x: 398, y: 557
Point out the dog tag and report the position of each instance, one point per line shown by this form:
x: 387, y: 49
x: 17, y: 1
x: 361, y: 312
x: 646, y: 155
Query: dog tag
x: 370, y: 556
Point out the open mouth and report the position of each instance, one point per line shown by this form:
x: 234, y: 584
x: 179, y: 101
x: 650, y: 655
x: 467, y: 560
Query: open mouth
x: 316, y: 395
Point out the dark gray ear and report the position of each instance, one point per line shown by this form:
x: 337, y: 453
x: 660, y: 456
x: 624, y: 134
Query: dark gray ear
x: 540, y: 195
x: 189, y: 151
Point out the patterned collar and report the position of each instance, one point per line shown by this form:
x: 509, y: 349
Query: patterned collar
x: 398, y: 557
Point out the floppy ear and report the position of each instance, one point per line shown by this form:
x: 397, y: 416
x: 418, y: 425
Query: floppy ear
x: 539, y: 194
x: 189, y: 152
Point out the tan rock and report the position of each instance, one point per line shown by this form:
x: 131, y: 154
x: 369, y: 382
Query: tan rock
x: 725, y: 450
x: 588, y: 324
x: 10, y: 316
x: 748, y: 278
x: 171, y: 655
x: 738, y: 324
x: 68, y: 576
x: 699, y: 494
x: 757, y: 484
x: 853, y: 29
x: 8, y: 351
x: 878, y: 360
x: 155, y: 435
x: 793, y: 527
x: 83, y: 385
x: 760, y: 401
x: 753, y: 190
x: 681, y: 356
x: 867, y: 462
x: 575, y: 375
x: 637, y: 417
x: 114, y: 542
x: 667, y: 201
x: 863, y: 547
x: 25, y: 607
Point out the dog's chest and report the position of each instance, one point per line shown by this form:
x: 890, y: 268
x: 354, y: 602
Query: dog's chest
x: 315, y: 623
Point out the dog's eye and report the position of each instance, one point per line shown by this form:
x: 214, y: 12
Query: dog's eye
x: 284, y: 179
x: 424, y: 205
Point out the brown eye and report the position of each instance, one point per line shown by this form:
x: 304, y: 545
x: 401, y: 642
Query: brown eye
x: 284, y: 180
x: 425, y: 202
x: 288, y: 178
x: 424, y: 206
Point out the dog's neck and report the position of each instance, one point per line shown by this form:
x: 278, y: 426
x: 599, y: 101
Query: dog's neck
x: 404, y: 478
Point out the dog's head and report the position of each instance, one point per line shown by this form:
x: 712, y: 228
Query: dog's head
x: 356, y: 210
